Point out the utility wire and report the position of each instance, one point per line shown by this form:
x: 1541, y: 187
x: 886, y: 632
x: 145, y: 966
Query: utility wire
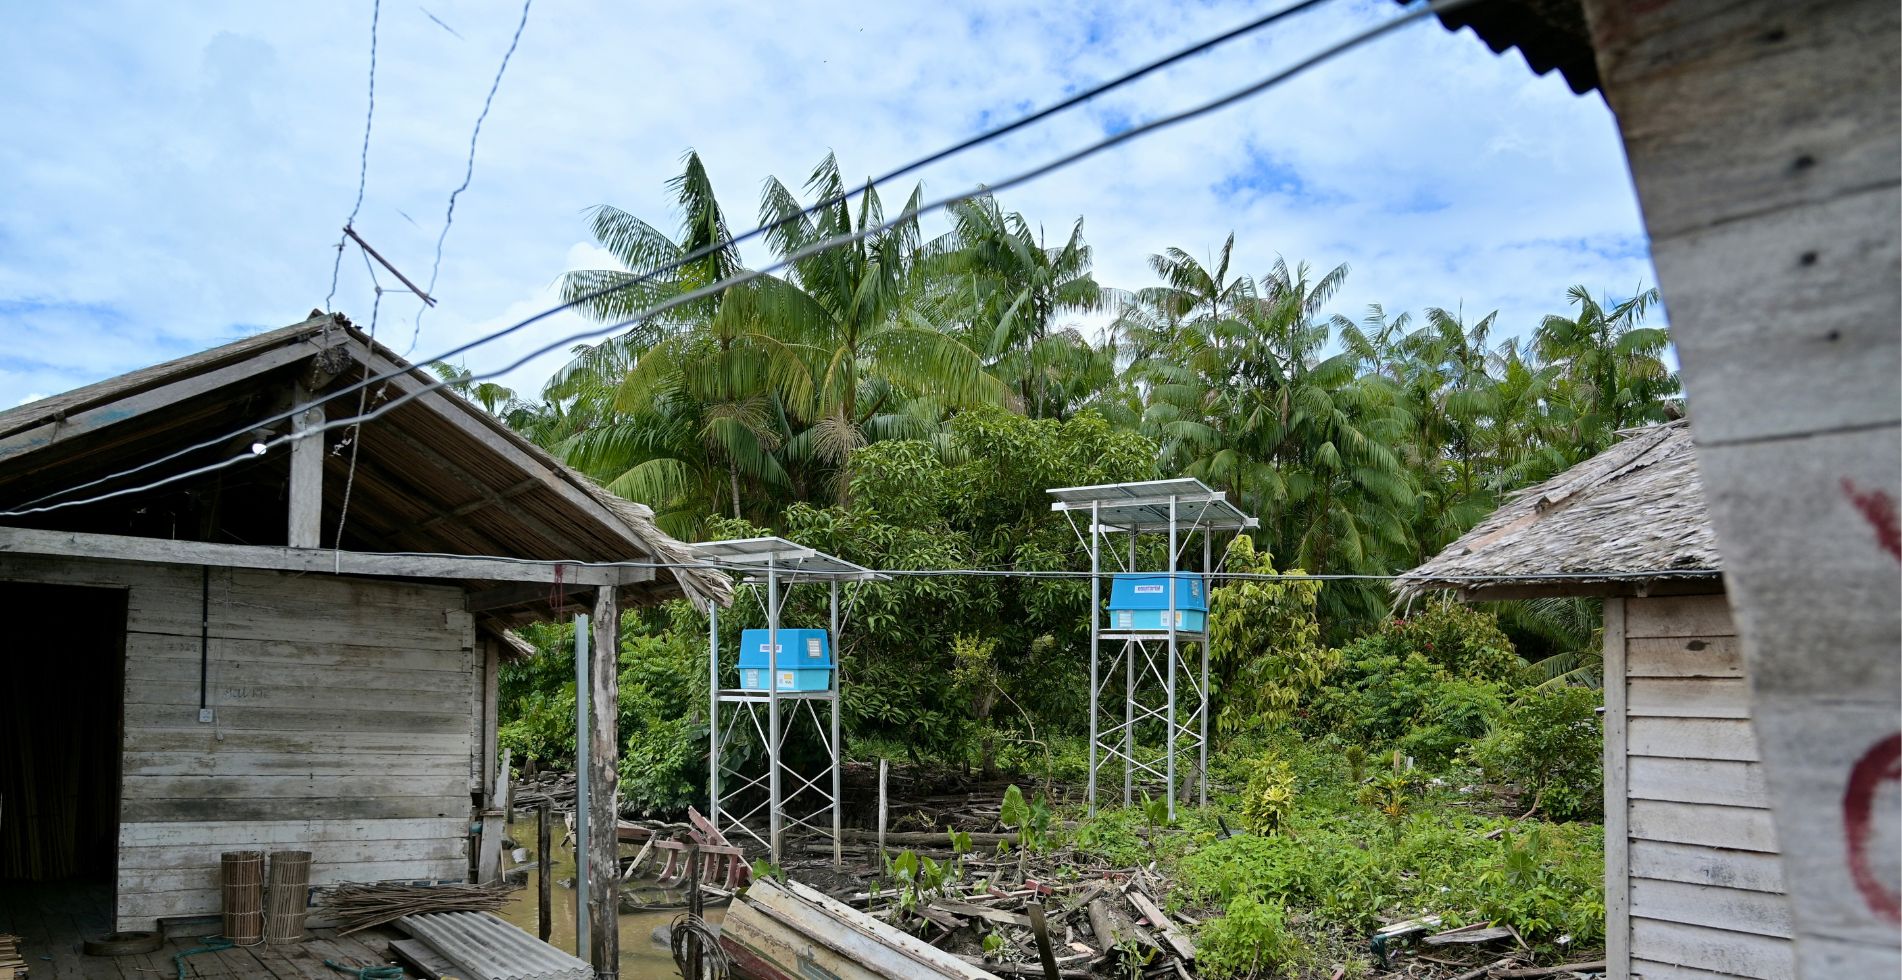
x: 468, y: 175
x: 988, y: 135
x: 363, y: 162
x: 1135, y: 132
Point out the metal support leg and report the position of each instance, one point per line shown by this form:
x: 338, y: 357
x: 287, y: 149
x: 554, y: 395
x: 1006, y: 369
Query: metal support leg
x: 713, y: 714
x: 773, y: 802
x: 1208, y: 701
x: 1169, y: 728
x: 1096, y: 628
x: 1129, y: 703
x: 838, y: 853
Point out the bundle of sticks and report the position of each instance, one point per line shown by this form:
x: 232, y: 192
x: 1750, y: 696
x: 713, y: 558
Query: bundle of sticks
x: 357, y: 907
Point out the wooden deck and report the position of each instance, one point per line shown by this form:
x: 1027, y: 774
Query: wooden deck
x: 52, y: 921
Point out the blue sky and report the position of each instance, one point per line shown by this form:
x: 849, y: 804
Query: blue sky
x: 177, y: 174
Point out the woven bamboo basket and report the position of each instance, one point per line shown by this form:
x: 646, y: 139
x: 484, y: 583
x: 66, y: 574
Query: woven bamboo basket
x: 288, y: 900
x: 241, y: 880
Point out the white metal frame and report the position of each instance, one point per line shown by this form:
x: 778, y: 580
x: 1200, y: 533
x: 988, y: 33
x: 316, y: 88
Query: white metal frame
x: 1153, y: 661
x: 775, y: 562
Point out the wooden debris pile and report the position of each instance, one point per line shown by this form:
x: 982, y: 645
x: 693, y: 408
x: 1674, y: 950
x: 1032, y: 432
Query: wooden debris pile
x: 1424, y: 934
x: 356, y: 907
x: 12, y: 964
x: 1112, y: 925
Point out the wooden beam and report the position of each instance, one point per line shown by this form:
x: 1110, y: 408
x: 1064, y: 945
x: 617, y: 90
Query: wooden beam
x: 144, y: 403
x: 508, y: 596
x: 72, y: 544
x: 489, y: 498
x: 307, y: 475
x: 604, y: 766
x: 1617, y: 834
x: 471, y: 422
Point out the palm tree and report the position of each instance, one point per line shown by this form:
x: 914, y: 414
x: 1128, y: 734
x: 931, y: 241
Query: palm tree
x: 1613, y: 372
x: 1010, y: 285
x: 687, y: 399
x: 879, y: 365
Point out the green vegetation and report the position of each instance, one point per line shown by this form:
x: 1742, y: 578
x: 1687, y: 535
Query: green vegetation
x: 904, y: 402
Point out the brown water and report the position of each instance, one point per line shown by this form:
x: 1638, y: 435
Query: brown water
x: 642, y: 958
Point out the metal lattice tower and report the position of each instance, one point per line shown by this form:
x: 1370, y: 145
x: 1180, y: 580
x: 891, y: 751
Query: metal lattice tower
x: 1154, y: 663
x: 771, y: 715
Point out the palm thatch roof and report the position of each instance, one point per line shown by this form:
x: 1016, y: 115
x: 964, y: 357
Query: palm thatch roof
x: 1629, y: 520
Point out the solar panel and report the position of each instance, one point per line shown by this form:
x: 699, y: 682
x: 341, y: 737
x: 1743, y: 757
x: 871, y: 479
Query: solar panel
x: 791, y: 561
x: 1144, y: 505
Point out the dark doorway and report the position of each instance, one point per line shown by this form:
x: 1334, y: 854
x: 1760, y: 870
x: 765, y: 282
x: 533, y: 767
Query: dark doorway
x: 60, y: 731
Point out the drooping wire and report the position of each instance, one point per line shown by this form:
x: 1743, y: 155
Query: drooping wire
x: 363, y: 161
x: 1127, y: 135
x: 468, y: 174
x: 356, y: 432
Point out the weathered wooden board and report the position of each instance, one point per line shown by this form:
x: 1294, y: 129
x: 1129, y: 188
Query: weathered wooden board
x: 1688, y: 697
x: 444, y: 658
x: 1734, y: 953
x: 150, y: 881
x: 1617, y: 774
x: 1720, y: 782
x: 199, y: 808
x: 1739, y: 828
x: 1690, y: 616
x: 365, y: 682
x: 1693, y: 738
x: 1684, y: 656
x: 143, y: 716
x: 227, y: 764
x: 209, y: 739
x: 298, y: 787
x: 1642, y: 969
x: 1700, y: 865
x: 230, y: 835
x: 1737, y: 910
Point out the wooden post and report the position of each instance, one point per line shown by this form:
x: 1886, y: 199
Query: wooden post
x: 884, y: 766
x: 1617, y: 804
x: 307, y: 478
x: 544, y: 869
x: 604, y: 758
x: 1763, y: 142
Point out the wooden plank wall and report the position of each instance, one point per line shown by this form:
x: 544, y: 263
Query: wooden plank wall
x: 1701, y: 892
x: 1765, y: 141
x: 347, y: 718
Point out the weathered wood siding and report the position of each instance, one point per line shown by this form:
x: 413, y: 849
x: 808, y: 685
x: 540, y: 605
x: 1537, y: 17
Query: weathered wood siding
x: 1765, y: 140
x: 1694, y: 883
x: 347, y: 721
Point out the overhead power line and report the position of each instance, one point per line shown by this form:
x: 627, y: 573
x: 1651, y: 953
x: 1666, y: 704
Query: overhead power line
x: 468, y: 174
x: 1135, y: 132
x: 363, y: 161
x: 986, y: 136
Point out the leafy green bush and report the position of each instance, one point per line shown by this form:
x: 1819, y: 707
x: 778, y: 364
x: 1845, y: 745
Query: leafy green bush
x: 1264, y: 643
x: 1249, y: 940
x: 1460, y: 640
x: 1268, y: 801
x: 1551, y: 743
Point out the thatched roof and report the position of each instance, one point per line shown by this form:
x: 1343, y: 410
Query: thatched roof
x: 1630, y: 519
x: 435, y: 474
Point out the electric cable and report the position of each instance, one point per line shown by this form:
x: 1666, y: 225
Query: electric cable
x: 986, y: 136
x: 711, y: 289
x: 363, y: 162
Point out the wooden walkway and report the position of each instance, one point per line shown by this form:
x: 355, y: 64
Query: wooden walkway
x: 52, y: 921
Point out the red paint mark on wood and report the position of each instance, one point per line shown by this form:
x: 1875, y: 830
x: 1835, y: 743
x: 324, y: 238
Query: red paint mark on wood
x: 1878, y: 508
x: 1881, y: 764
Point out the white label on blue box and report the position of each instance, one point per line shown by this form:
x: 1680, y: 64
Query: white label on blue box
x: 812, y: 648
x: 1148, y: 590
x: 788, y: 680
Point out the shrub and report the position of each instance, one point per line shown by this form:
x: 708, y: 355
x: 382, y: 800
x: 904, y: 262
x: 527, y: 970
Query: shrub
x: 1264, y: 643
x: 1460, y: 640
x: 1551, y: 744
x: 1269, y: 799
x: 1248, y: 940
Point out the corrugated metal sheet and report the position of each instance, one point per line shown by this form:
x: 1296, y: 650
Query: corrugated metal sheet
x: 1549, y: 33
x: 484, y: 947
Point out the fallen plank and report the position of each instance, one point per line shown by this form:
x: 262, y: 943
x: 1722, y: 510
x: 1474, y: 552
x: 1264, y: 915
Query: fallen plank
x: 1022, y: 969
x: 1479, y: 932
x: 984, y: 912
x: 1181, y: 943
x: 1524, y: 973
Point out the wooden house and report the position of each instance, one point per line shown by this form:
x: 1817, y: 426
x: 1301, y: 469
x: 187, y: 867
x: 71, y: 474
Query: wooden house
x: 1693, y: 880
x: 1765, y: 143
x: 296, y: 651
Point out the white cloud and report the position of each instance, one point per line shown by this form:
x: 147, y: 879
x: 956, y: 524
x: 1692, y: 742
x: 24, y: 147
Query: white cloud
x: 179, y: 176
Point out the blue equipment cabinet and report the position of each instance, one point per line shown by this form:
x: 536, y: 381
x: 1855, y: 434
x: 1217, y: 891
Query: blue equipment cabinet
x: 1140, y: 601
x: 805, y: 660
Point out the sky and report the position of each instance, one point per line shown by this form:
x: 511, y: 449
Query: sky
x: 177, y: 175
